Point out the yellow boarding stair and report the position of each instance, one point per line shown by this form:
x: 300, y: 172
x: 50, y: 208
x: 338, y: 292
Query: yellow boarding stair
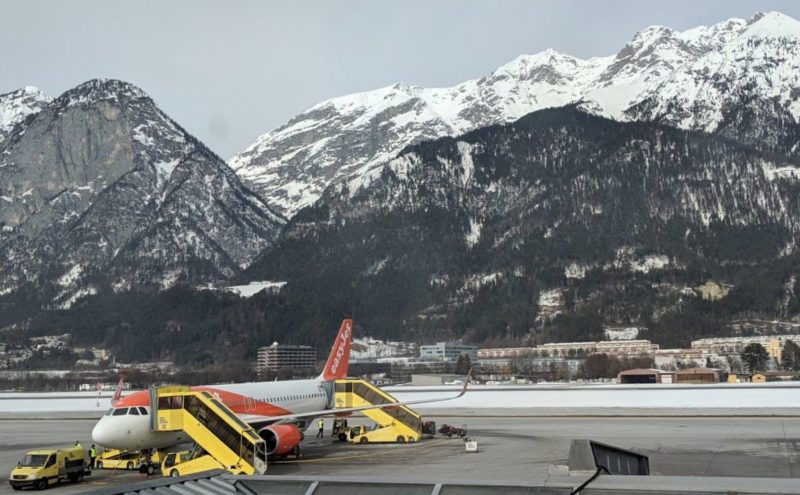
x: 224, y: 440
x: 396, y: 424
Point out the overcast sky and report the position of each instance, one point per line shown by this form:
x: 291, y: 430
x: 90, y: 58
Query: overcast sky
x: 230, y: 71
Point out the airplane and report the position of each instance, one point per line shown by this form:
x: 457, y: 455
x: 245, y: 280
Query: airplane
x: 279, y: 411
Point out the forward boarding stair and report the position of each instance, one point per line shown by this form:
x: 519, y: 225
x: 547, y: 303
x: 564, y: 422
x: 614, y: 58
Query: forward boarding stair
x: 223, y: 440
x: 395, y: 423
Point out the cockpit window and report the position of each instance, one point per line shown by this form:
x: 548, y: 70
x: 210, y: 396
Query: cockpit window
x: 122, y: 411
x: 108, y: 413
x: 133, y: 412
x: 143, y: 411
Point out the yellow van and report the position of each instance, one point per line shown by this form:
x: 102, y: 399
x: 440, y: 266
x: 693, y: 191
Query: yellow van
x: 119, y: 459
x: 182, y: 464
x: 42, y: 468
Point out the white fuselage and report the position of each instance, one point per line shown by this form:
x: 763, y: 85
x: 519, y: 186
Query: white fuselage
x: 254, y: 403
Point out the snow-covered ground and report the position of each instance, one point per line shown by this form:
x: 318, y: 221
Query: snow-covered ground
x: 761, y: 396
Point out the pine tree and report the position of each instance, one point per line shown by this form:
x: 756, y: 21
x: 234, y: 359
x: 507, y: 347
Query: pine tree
x: 755, y: 357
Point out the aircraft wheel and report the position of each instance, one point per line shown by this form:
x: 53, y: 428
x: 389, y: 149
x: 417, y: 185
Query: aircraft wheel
x: 363, y: 440
x: 342, y: 437
x: 129, y: 466
x: 151, y: 469
x: 41, y: 484
x: 400, y: 439
x: 174, y: 473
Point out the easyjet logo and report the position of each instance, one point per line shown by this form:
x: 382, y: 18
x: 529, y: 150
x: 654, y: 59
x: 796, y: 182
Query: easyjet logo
x: 344, y: 338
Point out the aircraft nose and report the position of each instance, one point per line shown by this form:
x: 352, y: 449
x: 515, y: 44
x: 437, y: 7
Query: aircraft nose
x: 103, y: 433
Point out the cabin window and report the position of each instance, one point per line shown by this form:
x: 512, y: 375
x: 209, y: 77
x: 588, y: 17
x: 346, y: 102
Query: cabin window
x: 122, y: 411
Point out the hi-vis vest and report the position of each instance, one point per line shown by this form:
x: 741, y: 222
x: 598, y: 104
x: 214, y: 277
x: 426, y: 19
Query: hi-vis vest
x: 321, y: 423
x: 92, y: 452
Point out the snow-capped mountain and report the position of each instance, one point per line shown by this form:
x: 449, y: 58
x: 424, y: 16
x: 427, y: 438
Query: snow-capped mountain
x: 706, y: 78
x: 501, y: 229
x: 100, y: 188
x: 17, y: 105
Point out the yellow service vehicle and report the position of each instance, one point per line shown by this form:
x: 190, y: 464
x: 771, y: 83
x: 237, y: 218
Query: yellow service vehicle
x: 184, y: 463
x: 42, y: 468
x: 119, y: 459
x: 377, y: 434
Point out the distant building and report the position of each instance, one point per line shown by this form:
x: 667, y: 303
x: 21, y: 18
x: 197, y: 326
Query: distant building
x: 617, y: 348
x: 644, y: 376
x: 448, y: 351
x: 700, y: 375
x: 735, y: 345
x: 505, y: 352
x: 277, y: 356
x: 527, y: 363
x: 687, y: 358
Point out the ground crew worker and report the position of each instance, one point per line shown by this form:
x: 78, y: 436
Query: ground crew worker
x: 321, y: 426
x: 92, y: 457
x: 78, y: 445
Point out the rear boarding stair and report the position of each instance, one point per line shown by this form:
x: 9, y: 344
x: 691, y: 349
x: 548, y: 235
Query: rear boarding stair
x: 395, y: 423
x: 223, y: 440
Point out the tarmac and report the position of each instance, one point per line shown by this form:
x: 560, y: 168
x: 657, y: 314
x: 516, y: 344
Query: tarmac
x: 520, y: 447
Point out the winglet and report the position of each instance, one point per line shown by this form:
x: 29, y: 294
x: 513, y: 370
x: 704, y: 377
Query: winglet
x: 339, y: 359
x: 118, y: 392
x: 466, y: 383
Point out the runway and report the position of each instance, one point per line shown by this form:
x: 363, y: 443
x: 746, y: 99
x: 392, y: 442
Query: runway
x: 510, y: 448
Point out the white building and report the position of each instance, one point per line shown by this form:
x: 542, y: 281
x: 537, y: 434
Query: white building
x: 448, y: 351
x: 618, y: 348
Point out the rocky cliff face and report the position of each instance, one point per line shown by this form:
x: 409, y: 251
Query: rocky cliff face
x: 737, y: 78
x: 101, y: 189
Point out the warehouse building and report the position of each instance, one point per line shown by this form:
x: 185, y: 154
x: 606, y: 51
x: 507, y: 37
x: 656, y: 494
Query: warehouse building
x: 700, y: 375
x: 644, y: 375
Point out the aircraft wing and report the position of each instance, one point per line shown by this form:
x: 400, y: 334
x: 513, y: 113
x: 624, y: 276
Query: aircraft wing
x: 324, y: 412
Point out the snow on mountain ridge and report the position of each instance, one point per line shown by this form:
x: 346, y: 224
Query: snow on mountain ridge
x: 658, y: 72
x: 772, y: 24
x: 18, y: 105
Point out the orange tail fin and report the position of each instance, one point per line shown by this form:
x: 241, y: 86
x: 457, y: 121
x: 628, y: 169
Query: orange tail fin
x: 336, y: 367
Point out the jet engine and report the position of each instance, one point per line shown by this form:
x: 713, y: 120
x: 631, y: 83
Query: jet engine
x: 281, y: 439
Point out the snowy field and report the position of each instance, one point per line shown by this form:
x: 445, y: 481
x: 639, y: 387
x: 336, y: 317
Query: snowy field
x: 761, y: 396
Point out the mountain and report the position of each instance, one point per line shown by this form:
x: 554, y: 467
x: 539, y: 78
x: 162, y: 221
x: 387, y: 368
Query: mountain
x: 551, y: 225
x: 17, y: 105
x: 736, y: 78
x: 101, y: 190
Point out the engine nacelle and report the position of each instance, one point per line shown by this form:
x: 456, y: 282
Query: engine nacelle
x: 281, y: 439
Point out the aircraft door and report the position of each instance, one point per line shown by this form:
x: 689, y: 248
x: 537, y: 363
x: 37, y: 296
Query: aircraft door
x: 330, y: 393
